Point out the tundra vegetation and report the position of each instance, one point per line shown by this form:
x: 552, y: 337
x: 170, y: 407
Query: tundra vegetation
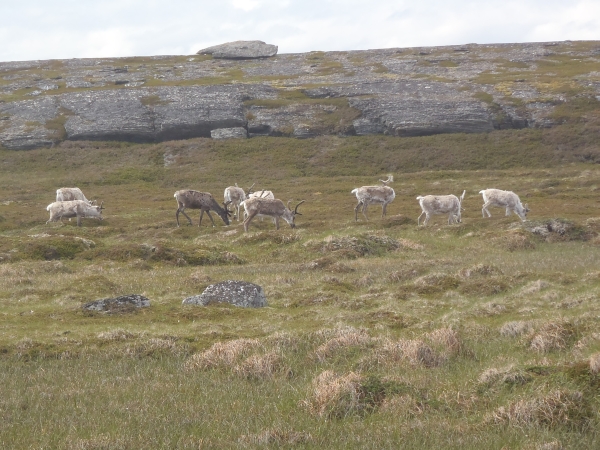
x: 378, y: 334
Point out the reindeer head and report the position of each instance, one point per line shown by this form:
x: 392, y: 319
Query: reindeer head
x: 290, y: 215
x: 225, y: 213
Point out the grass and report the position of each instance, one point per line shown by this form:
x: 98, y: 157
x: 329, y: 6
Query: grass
x: 378, y: 334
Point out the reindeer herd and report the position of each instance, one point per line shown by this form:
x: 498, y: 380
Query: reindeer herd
x: 71, y: 202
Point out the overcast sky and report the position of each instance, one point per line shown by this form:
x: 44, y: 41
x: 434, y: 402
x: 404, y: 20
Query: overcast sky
x: 50, y: 29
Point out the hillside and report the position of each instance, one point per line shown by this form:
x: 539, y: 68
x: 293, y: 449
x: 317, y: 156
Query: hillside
x: 399, y: 92
x: 378, y: 333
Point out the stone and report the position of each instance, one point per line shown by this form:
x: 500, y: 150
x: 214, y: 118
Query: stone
x: 118, y: 304
x: 241, y: 50
x: 237, y: 293
x: 229, y: 133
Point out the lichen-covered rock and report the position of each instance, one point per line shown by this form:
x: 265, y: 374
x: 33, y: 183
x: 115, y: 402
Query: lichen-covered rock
x: 241, y: 50
x: 121, y: 303
x: 229, y: 133
x: 237, y: 293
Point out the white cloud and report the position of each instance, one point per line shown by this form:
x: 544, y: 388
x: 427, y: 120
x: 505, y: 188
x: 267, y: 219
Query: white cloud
x: 38, y: 29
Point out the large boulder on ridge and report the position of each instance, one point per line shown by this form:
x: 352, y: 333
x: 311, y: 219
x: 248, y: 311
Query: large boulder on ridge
x: 240, y: 50
x: 237, y: 293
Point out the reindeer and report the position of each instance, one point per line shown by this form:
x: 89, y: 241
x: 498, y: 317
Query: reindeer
x: 270, y: 207
x: 203, y: 201
x: 73, y: 208
x: 503, y: 199
x: 235, y: 196
x: 69, y: 194
x: 367, y: 195
x: 441, y: 204
x: 262, y: 194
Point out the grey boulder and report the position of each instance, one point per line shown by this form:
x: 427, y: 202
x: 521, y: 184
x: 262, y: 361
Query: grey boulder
x: 241, y: 50
x: 118, y: 304
x: 237, y: 293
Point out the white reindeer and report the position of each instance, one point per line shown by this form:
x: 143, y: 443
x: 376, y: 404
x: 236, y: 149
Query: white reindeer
x: 503, y: 199
x: 73, y: 208
x: 368, y: 195
x: 270, y: 207
x: 203, y: 201
x: 262, y: 194
x: 441, y: 204
x: 69, y: 194
x: 235, y: 196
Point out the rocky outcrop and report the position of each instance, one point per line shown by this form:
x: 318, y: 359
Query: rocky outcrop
x: 123, y: 303
x: 237, y: 293
x: 241, y: 50
x: 398, y: 92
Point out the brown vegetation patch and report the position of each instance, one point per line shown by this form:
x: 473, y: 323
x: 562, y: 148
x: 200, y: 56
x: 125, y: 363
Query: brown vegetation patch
x: 412, y: 351
x: 552, y: 336
x: 447, y: 338
x: 222, y: 354
x: 516, y: 328
x: 560, y: 230
x: 504, y: 376
x: 277, y: 437
x: 262, y: 366
x: 595, y: 364
x: 327, y: 264
x: 480, y: 270
x: 335, y: 395
x: 346, y: 337
x: 557, y: 409
x: 515, y: 240
x: 116, y: 335
x: 358, y: 246
x: 435, y: 283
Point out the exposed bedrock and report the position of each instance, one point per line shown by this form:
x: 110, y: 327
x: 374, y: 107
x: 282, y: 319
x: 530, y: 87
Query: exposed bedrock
x: 398, y: 92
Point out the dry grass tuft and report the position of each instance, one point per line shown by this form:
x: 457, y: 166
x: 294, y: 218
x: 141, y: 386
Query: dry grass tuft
x: 534, y: 287
x: 335, y: 395
x: 403, y: 275
x: 116, y: 335
x: 555, y: 410
x: 276, y: 437
x: 261, y: 366
x: 482, y: 270
x: 505, y: 375
x: 447, y: 338
x: 515, y: 240
x: 595, y: 363
x: 552, y: 336
x: 516, y: 328
x: 155, y: 347
x: 403, y: 405
x: 345, y: 338
x: 222, y: 354
x: 413, y: 351
x: 326, y: 264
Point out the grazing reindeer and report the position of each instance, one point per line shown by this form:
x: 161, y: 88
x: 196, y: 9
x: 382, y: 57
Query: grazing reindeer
x: 203, y: 201
x: 503, y: 199
x: 262, y: 194
x: 367, y: 195
x: 235, y: 196
x: 441, y: 204
x: 73, y: 208
x: 270, y: 207
x: 69, y: 194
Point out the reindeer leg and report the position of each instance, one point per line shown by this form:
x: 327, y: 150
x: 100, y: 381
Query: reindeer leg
x: 247, y: 220
x: 276, y: 218
x: 419, y: 218
x: 508, y: 212
x: 484, y: 210
x: 182, y: 210
x: 364, y: 210
x: 211, y: 219
x: 356, y: 211
x: 78, y: 220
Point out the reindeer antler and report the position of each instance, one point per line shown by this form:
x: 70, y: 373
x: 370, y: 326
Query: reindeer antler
x: 296, y: 208
x: 389, y: 180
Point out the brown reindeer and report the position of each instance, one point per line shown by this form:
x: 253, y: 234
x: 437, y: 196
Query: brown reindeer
x: 368, y: 195
x: 203, y: 201
x: 270, y: 207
